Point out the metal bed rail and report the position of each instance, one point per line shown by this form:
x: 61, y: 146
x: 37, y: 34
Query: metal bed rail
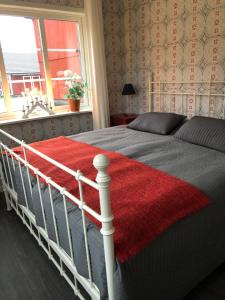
x: 185, y: 94
x: 100, y: 162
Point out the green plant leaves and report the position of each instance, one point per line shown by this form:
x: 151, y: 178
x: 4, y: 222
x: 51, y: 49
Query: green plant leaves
x: 76, y: 87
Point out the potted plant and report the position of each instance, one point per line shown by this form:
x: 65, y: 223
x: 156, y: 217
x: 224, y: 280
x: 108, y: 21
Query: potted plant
x: 75, y: 89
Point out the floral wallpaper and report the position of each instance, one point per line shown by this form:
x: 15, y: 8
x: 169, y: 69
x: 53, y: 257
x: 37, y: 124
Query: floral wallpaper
x: 72, y: 3
x: 36, y: 130
x: 166, y: 40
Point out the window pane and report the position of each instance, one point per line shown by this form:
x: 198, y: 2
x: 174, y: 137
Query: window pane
x: 2, y: 101
x: 23, y: 59
x: 63, y: 54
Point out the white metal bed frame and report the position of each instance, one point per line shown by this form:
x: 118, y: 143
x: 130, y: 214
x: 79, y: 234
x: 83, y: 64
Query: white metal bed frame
x: 101, y: 184
x: 101, y: 163
x: 176, y: 88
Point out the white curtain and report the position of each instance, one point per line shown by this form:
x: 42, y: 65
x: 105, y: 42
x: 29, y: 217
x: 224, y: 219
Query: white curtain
x: 100, y: 102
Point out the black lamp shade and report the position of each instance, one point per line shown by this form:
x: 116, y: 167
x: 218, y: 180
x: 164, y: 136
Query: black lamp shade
x: 128, y: 89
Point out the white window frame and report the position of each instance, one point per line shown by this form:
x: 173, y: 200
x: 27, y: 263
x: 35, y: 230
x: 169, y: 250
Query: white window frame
x: 76, y: 15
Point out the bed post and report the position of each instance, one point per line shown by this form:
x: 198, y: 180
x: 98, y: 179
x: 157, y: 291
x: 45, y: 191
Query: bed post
x: 101, y: 163
x: 8, y: 206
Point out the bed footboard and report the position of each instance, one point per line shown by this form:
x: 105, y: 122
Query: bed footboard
x: 14, y: 166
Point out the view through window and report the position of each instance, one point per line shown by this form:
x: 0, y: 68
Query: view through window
x: 27, y: 68
x: 2, y: 102
x: 63, y: 53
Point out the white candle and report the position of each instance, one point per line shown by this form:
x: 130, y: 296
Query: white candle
x: 35, y: 91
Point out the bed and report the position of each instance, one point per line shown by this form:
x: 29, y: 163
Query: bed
x: 168, y: 267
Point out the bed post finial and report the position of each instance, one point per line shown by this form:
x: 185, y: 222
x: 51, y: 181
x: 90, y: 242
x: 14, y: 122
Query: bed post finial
x: 101, y: 162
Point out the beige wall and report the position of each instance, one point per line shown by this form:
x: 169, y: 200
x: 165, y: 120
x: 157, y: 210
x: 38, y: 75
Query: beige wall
x: 70, y: 3
x: 175, y: 40
x: 36, y: 130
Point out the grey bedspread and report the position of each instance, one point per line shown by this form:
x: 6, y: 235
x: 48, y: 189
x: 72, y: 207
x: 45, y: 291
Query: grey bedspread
x: 182, y: 256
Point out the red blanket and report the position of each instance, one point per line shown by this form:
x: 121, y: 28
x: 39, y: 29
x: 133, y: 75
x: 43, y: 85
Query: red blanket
x: 145, y: 201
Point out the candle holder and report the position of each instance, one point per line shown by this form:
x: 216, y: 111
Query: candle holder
x: 34, y: 103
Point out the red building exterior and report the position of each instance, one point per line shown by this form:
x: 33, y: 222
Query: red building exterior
x: 63, y: 54
x: 60, y: 35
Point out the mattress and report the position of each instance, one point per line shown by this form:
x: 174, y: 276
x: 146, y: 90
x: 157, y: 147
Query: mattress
x: 170, y: 266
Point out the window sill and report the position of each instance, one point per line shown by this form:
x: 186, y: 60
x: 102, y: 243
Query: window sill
x: 16, y: 117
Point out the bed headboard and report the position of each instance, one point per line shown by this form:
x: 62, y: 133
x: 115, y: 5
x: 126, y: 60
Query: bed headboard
x: 204, y: 98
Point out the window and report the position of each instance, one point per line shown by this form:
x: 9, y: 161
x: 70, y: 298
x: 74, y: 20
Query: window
x: 21, y: 60
x: 2, y: 102
x: 63, y: 54
x: 34, y: 53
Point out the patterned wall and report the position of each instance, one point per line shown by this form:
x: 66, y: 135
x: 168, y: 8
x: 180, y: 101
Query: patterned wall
x: 36, y: 130
x: 113, y: 15
x: 167, y: 40
x: 72, y: 3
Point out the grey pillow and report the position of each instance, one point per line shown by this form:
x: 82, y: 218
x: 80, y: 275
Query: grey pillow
x: 157, y: 122
x: 204, y: 131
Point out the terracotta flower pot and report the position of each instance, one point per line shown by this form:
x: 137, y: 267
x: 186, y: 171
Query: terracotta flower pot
x: 74, y: 105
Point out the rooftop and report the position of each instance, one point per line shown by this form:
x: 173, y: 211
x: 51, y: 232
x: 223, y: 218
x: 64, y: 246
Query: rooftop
x: 21, y: 63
